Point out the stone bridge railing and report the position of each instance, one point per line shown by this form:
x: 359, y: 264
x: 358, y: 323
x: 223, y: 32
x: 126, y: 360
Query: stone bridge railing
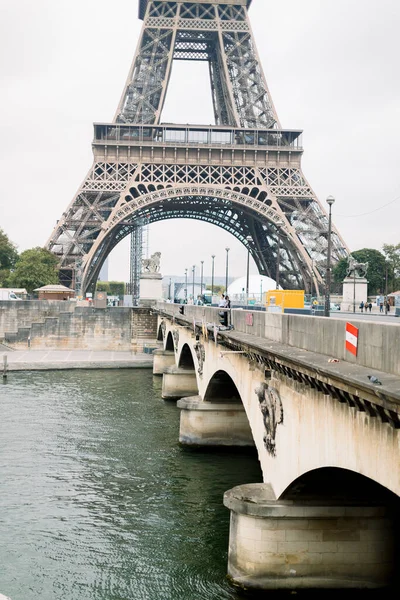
x: 378, y: 343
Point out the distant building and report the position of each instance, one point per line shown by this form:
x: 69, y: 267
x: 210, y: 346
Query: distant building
x: 55, y: 292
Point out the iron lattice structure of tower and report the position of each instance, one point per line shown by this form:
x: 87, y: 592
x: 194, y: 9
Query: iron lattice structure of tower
x: 136, y: 262
x: 242, y: 174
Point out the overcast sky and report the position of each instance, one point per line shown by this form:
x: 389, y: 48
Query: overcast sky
x: 332, y: 67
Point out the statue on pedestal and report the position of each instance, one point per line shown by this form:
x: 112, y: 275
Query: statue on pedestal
x: 356, y: 269
x: 355, y: 285
x: 152, y: 264
x: 150, y: 280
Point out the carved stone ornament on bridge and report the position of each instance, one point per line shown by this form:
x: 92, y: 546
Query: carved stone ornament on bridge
x: 272, y: 412
x: 163, y: 328
x: 175, y: 335
x: 201, y: 357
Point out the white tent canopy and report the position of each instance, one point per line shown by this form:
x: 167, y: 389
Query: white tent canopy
x: 258, y: 285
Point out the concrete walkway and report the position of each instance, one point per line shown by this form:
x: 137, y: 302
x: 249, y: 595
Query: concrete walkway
x: 44, y: 360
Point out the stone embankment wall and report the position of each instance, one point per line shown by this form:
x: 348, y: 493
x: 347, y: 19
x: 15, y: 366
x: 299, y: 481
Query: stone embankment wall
x: 38, y: 325
x: 16, y: 313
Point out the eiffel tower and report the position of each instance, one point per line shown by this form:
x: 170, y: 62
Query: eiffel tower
x: 242, y: 174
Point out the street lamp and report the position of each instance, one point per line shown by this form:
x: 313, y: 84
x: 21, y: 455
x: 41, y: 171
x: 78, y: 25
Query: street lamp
x: 330, y: 200
x: 226, y: 274
x: 249, y: 239
x: 312, y: 277
x: 212, y: 277
x: 186, y: 285
x: 193, y: 269
x: 278, y: 254
x: 169, y: 290
x: 201, y: 277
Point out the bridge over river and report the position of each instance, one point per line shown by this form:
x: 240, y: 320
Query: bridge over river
x: 327, y: 439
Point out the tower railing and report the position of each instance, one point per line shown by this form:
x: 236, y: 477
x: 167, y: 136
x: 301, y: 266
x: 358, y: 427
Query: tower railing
x: 197, y: 134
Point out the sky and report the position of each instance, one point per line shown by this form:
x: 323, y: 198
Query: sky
x: 332, y: 67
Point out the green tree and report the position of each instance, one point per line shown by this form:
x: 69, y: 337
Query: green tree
x: 113, y: 288
x: 218, y: 289
x: 34, y: 268
x: 103, y: 286
x: 117, y: 288
x: 376, y: 268
x: 392, y: 253
x: 8, y: 258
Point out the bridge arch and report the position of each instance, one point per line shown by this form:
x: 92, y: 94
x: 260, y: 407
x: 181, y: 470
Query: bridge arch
x: 186, y: 360
x: 221, y: 388
x: 248, y: 216
x: 338, y: 484
x: 169, y: 342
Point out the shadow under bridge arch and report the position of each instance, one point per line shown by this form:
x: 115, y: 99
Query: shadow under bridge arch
x: 251, y: 219
x: 169, y: 344
x: 222, y: 389
x: 186, y: 360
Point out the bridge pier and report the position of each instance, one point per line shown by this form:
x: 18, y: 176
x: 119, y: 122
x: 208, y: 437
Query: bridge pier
x: 162, y: 360
x: 178, y: 382
x: 213, y: 423
x: 287, y: 545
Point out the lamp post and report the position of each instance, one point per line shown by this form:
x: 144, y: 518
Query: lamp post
x: 249, y: 239
x: 201, y: 278
x: 212, y: 277
x: 169, y: 289
x: 330, y: 200
x: 193, y: 270
x: 312, y: 277
x: 354, y: 290
x: 227, y: 269
x: 278, y: 254
x: 186, y: 285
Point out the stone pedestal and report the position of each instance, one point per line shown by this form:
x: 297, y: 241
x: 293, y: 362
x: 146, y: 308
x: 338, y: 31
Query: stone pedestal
x: 213, y: 423
x: 179, y: 382
x: 285, y: 545
x: 150, y: 288
x: 163, y: 359
x: 354, y: 288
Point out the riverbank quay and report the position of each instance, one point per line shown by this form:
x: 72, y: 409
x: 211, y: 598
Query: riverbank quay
x: 49, y: 360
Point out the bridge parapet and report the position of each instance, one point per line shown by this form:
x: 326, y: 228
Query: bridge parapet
x: 378, y: 343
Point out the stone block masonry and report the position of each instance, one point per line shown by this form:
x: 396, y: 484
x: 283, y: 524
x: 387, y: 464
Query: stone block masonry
x: 85, y: 328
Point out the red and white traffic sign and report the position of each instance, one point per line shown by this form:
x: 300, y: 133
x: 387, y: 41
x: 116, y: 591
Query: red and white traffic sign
x: 351, y: 338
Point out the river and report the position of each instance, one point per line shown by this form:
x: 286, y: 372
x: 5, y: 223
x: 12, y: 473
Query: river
x: 98, y: 501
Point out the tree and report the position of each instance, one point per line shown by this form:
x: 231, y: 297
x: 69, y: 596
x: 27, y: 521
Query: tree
x: 113, y: 288
x: 34, y: 268
x: 218, y: 289
x: 392, y: 253
x: 8, y: 257
x: 375, y: 273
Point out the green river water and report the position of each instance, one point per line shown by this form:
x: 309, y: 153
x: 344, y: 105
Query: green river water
x: 98, y: 501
